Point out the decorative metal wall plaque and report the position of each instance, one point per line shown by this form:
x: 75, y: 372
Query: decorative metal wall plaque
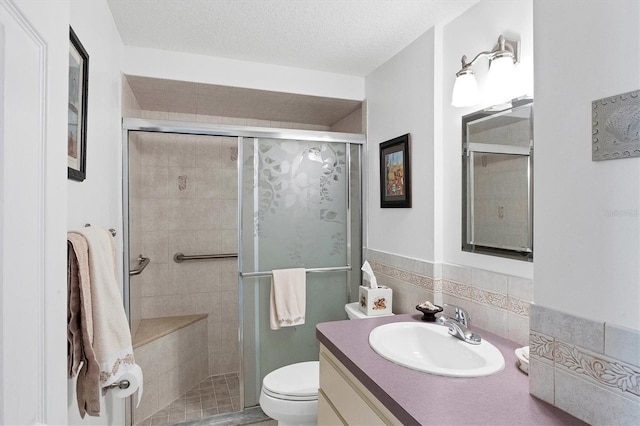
x: 616, y: 127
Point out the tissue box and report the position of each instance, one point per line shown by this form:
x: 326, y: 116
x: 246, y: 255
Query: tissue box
x: 375, y: 301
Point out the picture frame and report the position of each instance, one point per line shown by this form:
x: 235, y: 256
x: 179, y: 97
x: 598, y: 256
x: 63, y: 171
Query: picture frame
x: 77, y: 115
x: 395, y: 173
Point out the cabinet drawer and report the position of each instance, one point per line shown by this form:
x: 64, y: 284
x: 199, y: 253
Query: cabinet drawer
x: 326, y: 413
x: 354, y: 404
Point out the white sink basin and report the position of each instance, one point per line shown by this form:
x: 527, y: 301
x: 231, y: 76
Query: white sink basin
x: 430, y: 348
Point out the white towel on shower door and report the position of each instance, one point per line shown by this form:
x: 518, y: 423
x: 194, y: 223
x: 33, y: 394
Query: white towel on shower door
x: 288, y: 297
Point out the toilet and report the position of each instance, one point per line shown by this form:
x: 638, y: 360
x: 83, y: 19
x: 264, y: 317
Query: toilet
x: 289, y: 394
x: 354, y: 312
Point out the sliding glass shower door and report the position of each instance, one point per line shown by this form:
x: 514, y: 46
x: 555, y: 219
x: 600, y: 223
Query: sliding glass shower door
x: 300, y: 207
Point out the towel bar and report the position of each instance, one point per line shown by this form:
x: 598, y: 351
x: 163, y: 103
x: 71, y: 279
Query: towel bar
x: 269, y: 273
x: 122, y: 384
x: 113, y: 231
x: 180, y: 257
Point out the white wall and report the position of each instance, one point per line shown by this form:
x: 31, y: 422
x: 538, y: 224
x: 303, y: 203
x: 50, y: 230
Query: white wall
x: 228, y: 72
x: 475, y: 31
x: 399, y: 101
x: 411, y: 93
x: 98, y: 200
x: 587, y: 222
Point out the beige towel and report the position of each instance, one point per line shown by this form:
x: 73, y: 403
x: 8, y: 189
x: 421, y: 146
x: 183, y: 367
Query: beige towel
x: 107, y: 331
x: 80, y: 327
x: 288, y: 297
x: 111, y: 334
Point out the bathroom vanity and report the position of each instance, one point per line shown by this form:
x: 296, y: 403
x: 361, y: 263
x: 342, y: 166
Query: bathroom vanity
x: 357, y: 386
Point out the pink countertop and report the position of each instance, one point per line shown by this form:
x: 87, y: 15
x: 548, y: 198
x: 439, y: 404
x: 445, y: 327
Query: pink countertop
x: 420, y: 398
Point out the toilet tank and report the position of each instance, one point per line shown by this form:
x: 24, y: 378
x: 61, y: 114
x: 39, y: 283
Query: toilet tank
x: 354, y: 312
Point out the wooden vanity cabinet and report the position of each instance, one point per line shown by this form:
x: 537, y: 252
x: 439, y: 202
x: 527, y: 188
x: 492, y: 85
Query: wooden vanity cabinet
x: 343, y: 399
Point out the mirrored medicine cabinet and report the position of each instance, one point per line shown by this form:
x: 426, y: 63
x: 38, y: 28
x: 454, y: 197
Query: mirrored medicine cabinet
x: 497, y: 181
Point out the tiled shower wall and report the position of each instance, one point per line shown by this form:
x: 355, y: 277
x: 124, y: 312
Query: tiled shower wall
x: 155, y: 292
x: 496, y: 302
x: 188, y: 203
x: 587, y: 368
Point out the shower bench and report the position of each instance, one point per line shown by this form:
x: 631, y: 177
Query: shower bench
x: 174, y: 357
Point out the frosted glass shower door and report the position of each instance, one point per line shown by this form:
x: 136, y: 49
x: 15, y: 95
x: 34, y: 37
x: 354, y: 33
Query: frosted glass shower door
x: 295, y: 212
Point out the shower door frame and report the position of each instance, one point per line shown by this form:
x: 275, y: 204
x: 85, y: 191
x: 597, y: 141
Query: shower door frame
x: 239, y: 132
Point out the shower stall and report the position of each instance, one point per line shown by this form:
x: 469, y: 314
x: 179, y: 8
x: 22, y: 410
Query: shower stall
x: 275, y: 198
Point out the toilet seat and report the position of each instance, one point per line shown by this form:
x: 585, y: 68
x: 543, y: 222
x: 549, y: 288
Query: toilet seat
x: 295, y: 382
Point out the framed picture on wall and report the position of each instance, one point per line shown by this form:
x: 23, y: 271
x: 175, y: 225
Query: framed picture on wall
x: 395, y: 173
x: 77, y: 122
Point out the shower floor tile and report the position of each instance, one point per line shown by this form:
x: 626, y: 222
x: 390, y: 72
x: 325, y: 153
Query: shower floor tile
x: 214, y: 395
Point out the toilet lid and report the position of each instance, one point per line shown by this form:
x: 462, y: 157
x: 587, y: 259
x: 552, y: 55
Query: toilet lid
x: 295, y: 381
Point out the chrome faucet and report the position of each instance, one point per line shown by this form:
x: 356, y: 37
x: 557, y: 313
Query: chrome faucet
x: 461, y: 316
x: 458, y: 325
x: 461, y: 332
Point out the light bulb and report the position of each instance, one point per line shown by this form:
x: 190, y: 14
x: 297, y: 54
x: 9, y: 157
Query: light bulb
x: 465, y: 90
x: 500, y: 80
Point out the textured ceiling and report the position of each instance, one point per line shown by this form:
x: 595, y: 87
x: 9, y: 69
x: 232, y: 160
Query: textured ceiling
x: 350, y: 37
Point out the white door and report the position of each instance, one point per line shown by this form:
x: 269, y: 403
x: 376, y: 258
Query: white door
x: 32, y: 212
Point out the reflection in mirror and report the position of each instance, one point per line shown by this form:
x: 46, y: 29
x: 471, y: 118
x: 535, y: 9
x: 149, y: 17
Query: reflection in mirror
x: 497, y: 193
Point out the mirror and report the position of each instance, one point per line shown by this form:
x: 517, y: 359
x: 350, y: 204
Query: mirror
x: 497, y: 181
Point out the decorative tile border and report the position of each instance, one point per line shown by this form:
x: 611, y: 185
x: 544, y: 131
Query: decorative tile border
x: 518, y: 306
x: 406, y: 276
x: 541, y: 345
x: 605, y: 372
x: 437, y: 286
x: 453, y: 288
x: 610, y: 373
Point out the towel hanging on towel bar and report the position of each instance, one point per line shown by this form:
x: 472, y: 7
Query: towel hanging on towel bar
x: 102, y: 333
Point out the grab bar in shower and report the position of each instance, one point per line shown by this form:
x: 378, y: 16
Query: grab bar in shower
x: 142, y: 263
x: 180, y: 257
x: 269, y: 273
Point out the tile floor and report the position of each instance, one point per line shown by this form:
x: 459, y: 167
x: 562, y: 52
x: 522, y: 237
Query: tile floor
x: 214, y: 395
x: 253, y: 416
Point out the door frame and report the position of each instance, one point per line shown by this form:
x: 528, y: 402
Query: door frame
x: 33, y: 229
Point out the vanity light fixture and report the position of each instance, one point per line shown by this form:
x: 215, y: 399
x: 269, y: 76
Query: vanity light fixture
x: 502, y: 60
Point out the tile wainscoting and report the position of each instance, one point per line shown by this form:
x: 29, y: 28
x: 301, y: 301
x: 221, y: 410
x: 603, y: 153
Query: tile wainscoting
x: 496, y: 302
x: 587, y: 368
